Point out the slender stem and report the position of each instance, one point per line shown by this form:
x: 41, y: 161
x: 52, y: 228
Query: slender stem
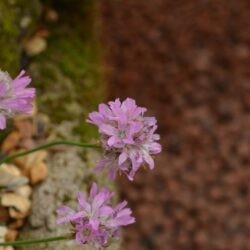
x: 78, y: 144
x: 29, y: 242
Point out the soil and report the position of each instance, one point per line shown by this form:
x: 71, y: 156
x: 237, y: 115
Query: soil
x: 188, y: 62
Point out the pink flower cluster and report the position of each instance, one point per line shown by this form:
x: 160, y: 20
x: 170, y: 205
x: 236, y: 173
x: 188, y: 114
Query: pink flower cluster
x: 95, y: 221
x: 14, y: 96
x: 129, y: 140
x: 128, y: 137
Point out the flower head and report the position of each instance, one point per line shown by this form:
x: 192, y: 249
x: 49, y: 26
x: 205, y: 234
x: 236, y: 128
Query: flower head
x: 128, y: 137
x: 95, y: 221
x: 14, y: 96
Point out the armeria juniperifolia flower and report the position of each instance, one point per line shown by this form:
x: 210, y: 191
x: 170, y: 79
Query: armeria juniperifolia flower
x: 95, y: 222
x: 15, y: 97
x: 127, y: 135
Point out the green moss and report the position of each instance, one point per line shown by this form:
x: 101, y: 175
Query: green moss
x: 11, y: 14
x: 68, y: 75
x: 9, y: 55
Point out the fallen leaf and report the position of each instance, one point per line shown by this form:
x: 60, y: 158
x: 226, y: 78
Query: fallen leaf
x: 11, y: 235
x: 25, y: 127
x: 10, y: 177
x: 10, y: 169
x: 26, y: 162
x: 11, y: 141
x: 4, y: 214
x: 51, y: 15
x: 25, y: 21
x: 20, y: 203
x: 35, y: 46
x: 24, y: 191
x: 38, y: 173
x: 17, y: 214
x: 7, y: 248
x: 3, y: 231
x: 16, y: 224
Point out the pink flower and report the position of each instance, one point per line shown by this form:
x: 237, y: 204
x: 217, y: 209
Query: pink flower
x: 15, y: 98
x: 128, y: 137
x: 95, y: 221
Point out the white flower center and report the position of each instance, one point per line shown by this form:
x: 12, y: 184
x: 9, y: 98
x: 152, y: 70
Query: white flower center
x: 6, y: 80
x: 121, y: 134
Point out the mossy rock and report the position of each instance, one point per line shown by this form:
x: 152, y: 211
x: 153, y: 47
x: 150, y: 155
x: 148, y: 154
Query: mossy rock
x: 68, y: 74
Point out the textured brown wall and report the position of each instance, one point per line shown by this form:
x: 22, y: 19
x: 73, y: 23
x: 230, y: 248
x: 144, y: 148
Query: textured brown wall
x: 189, y: 63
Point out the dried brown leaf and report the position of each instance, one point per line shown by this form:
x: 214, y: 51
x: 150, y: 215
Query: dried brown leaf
x: 11, y: 235
x: 24, y: 191
x: 16, y: 224
x: 11, y: 141
x: 35, y: 45
x: 16, y: 214
x: 38, y: 173
x: 20, y: 203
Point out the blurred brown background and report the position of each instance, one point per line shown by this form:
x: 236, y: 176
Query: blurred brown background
x: 189, y: 63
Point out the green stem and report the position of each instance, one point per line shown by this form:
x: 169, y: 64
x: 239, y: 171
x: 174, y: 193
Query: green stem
x: 78, y: 144
x: 29, y: 242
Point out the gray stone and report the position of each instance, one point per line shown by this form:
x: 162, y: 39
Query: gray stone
x: 68, y: 174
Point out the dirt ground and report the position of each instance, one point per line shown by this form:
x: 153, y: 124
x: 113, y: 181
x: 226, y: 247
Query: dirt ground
x: 189, y: 63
